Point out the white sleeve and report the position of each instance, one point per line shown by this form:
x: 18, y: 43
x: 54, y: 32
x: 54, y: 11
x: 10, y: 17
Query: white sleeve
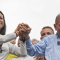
x: 18, y: 51
x: 8, y: 37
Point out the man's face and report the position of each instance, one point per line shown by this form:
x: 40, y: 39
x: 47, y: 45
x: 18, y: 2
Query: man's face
x: 57, y: 27
x: 45, y: 32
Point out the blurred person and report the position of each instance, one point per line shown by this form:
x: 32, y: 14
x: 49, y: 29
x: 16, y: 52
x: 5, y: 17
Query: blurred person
x: 34, y: 41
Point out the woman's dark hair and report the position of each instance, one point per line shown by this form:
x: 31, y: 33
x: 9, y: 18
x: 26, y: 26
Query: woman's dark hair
x: 3, y: 30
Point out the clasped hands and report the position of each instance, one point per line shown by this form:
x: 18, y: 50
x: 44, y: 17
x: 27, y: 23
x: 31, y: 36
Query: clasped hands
x: 23, y: 31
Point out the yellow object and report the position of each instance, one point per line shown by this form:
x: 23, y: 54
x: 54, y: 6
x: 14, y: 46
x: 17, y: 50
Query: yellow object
x: 10, y: 56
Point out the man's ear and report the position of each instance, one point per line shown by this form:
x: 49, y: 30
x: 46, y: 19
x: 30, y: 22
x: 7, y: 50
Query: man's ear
x: 55, y: 26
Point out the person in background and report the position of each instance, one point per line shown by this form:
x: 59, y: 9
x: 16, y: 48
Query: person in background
x: 34, y: 41
x: 47, y: 30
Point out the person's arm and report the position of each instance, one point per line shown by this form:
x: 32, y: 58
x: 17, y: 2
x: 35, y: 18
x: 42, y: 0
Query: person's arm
x: 8, y: 37
x: 18, y: 51
x: 32, y: 50
x: 38, y: 49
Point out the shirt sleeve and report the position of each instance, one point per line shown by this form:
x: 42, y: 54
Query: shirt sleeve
x: 18, y: 51
x: 8, y: 37
x: 38, y: 49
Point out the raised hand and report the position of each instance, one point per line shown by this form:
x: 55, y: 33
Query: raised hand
x: 24, y: 28
x: 24, y: 31
x: 18, y: 27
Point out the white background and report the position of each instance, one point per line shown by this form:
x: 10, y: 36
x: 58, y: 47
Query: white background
x: 36, y: 13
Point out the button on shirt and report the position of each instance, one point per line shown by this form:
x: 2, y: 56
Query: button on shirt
x: 48, y: 46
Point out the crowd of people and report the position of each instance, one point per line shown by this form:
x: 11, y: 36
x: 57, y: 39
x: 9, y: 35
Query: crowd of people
x: 46, y: 49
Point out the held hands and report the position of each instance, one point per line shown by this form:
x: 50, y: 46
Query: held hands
x: 23, y: 30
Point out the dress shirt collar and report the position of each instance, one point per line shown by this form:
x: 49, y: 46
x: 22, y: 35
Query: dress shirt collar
x: 57, y: 36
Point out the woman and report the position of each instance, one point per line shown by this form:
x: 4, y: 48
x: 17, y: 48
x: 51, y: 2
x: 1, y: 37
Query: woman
x: 6, y: 48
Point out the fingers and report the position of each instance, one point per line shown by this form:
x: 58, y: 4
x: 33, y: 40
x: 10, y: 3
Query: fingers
x: 12, y: 41
x: 24, y: 28
x: 40, y: 58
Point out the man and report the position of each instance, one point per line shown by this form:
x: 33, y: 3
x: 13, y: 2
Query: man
x: 48, y: 46
x: 47, y: 30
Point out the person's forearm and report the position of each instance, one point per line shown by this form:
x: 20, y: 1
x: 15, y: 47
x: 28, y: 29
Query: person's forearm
x: 8, y: 37
x: 30, y: 49
x: 27, y: 37
x: 23, y: 48
x: 37, y: 49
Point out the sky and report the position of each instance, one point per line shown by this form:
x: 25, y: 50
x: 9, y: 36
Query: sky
x: 35, y: 13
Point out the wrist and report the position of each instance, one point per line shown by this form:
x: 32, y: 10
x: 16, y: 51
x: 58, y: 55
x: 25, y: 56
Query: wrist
x: 17, y: 33
x: 27, y: 37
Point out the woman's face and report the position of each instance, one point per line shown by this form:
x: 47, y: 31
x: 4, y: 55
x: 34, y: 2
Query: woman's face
x: 1, y: 21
